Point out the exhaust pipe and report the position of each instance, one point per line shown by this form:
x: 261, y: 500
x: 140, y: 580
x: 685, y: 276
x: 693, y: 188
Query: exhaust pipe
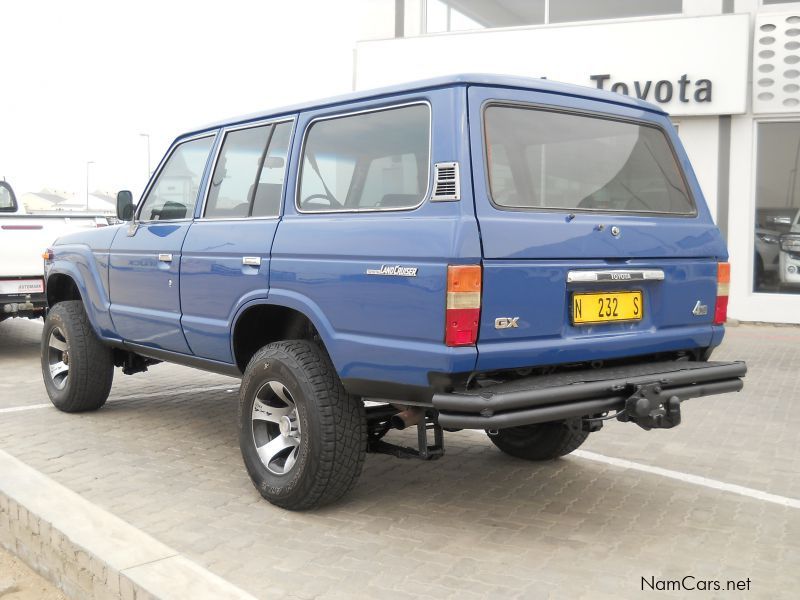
x: 407, y: 418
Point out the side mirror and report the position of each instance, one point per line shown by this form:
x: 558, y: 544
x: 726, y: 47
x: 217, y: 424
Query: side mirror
x: 124, y: 205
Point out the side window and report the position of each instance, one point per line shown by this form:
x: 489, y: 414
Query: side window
x: 234, y: 178
x: 267, y: 199
x: 174, y: 194
x: 249, y: 173
x: 369, y: 161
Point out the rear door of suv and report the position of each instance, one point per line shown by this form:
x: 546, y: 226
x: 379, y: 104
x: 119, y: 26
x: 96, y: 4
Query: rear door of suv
x: 597, y: 242
x: 225, y: 257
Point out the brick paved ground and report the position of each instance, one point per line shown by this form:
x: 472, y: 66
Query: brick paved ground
x: 473, y: 524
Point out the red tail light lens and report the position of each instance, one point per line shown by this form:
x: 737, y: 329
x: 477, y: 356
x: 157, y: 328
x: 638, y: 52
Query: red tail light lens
x: 463, y: 313
x: 723, y: 289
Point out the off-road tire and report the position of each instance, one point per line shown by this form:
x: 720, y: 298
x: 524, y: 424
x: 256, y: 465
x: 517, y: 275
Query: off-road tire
x: 332, y: 423
x: 541, y: 441
x: 91, y: 363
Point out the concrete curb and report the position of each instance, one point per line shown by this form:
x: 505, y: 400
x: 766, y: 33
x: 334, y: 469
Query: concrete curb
x: 87, y: 551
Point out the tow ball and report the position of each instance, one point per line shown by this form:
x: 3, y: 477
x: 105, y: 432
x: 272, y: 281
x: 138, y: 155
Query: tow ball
x: 650, y: 408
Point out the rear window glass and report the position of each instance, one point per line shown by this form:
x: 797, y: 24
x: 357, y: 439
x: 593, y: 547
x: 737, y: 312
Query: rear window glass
x: 539, y: 159
x: 369, y: 161
x: 7, y: 201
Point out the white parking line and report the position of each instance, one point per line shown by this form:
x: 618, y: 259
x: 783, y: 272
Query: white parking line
x: 679, y: 476
x: 229, y: 388
x: 688, y: 478
x: 21, y: 408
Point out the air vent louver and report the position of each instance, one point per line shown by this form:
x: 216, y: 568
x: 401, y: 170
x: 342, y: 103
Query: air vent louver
x: 447, y: 185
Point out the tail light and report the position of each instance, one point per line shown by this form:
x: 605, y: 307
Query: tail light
x: 463, y: 312
x: 723, y: 289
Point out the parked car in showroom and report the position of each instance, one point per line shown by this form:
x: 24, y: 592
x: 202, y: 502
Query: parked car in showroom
x: 766, y: 260
x: 789, y: 268
x: 23, y: 238
x: 776, y: 219
x: 480, y: 252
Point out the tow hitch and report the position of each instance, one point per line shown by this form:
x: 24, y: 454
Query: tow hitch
x: 382, y: 419
x: 649, y: 409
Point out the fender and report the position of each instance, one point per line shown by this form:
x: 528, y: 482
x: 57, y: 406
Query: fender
x: 413, y: 359
x: 298, y: 302
x: 79, y: 263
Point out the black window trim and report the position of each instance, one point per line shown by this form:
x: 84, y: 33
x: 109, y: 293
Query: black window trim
x: 223, y: 132
x: 14, y: 206
x: 582, y: 113
x: 177, y: 144
x: 339, y: 115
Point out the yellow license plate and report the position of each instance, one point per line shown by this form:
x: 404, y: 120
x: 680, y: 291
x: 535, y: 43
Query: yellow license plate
x: 602, y: 307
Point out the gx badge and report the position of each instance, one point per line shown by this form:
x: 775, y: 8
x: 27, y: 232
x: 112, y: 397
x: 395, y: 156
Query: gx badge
x: 506, y: 322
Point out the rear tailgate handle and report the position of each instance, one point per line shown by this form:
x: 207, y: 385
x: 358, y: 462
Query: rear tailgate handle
x: 165, y: 257
x: 607, y: 275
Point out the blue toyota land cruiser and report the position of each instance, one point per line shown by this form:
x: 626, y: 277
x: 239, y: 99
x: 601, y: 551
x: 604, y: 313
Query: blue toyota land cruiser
x: 513, y: 255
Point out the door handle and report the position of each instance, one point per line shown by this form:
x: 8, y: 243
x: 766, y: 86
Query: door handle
x: 165, y: 257
x: 251, y: 261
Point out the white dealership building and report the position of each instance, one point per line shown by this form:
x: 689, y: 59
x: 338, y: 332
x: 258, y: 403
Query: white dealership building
x: 728, y: 71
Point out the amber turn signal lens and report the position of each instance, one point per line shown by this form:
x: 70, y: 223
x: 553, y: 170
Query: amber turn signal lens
x: 723, y: 272
x: 464, y: 278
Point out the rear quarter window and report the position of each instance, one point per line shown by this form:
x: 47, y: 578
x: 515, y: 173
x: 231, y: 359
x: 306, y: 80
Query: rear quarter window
x: 547, y: 160
x: 369, y: 161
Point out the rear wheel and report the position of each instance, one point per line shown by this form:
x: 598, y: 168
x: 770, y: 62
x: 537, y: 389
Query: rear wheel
x: 303, y: 437
x: 76, y: 366
x: 541, y: 441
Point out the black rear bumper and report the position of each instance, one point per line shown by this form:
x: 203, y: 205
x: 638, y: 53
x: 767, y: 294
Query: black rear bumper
x: 588, y: 392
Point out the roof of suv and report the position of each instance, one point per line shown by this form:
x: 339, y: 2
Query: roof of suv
x: 508, y: 81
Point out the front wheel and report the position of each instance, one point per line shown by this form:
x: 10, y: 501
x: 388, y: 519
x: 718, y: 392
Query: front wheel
x: 541, y: 441
x: 76, y: 366
x: 303, y: 437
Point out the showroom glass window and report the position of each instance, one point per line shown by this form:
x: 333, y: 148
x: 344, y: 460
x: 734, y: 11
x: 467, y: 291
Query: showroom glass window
x: 776, y: 257
x: 464, y: 15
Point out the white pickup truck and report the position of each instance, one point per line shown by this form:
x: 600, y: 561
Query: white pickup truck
x: 23, y: 238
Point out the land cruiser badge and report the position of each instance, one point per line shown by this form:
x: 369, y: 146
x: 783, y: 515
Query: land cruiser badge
x: 394, y: 270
